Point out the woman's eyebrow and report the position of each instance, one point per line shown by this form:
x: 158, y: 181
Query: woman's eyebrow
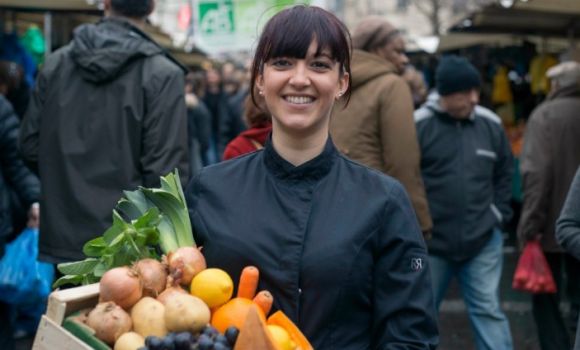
x: 324, y: 54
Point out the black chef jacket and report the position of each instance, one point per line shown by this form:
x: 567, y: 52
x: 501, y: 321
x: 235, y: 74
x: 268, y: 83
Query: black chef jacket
x: 336, y: 243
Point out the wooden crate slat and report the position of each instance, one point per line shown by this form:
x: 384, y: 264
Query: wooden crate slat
x: 64, y: 302
x: 51, y: 335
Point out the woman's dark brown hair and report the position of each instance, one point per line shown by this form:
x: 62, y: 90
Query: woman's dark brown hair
x: 256, y: 115
x: 290, y: 32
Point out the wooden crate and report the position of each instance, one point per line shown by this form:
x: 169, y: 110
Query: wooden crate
x: 51, y: 335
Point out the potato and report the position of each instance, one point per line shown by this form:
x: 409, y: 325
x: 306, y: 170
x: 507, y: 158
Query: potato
x: 148, y: 317
x: 184, y: 312
x: 129, y: 341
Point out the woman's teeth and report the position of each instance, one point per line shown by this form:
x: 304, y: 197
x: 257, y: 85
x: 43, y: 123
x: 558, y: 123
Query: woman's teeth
x: 299, y: 99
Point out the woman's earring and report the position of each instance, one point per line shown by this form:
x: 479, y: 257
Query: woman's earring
x: 261, y: 93
x: 339, y: 95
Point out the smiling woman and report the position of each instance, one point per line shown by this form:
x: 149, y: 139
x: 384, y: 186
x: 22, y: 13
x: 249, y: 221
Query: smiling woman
x: 301, y: 71
x: 337, y: 244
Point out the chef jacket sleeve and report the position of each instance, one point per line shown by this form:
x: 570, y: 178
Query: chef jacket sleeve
x: 405, y: 316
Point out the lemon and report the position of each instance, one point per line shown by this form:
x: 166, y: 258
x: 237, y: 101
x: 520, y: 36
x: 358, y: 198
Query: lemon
x: 213, y: 286
x: 281, y: 337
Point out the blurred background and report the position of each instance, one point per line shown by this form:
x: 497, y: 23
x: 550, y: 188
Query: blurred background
x: 511, y: 42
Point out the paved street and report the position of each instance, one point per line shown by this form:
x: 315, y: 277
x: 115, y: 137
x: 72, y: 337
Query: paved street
x: 454, y: 324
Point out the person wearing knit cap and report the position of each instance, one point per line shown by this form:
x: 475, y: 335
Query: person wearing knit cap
x: 549, y: 160
x: 467, y: 166
x: 376, y: 127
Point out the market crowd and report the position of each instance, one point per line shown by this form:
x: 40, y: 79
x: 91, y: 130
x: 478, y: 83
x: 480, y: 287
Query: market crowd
x: 420, y: 173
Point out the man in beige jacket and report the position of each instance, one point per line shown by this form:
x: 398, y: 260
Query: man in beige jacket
x: 377, y: 127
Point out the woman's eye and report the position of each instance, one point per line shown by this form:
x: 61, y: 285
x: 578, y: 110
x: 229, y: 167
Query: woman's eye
x: 321, y: 65
x: 280, y: 62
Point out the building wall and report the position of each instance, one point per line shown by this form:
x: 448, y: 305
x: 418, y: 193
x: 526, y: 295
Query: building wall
x: 404, y: 14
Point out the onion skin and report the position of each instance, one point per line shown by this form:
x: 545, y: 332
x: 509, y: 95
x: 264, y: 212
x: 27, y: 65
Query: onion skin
x: 153, y: 276
x: 169, y: 292
x: 109, y: 322
x: 122, y: 286
x: 185, y: 263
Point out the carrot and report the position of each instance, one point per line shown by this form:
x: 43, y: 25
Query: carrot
x: 264, y: 300
x: 248, y: 282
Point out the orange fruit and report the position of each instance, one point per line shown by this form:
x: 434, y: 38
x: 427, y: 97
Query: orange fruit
x: 233, y: 313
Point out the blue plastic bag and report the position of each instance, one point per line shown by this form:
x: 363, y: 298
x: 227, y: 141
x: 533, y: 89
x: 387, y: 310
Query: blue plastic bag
x: 24, y: 279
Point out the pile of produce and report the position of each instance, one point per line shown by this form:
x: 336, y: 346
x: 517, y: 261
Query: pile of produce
x: 157, y: 293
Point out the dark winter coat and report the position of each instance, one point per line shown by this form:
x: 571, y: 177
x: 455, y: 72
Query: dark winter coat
x: 549, y: 159
x: 467, y: 167
x: 568, y: 224
x: 337, y: 244
x: 14, y: 175
x: 107, y: 114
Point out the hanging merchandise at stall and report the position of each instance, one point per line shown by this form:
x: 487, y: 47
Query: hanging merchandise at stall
x: 33, y: 42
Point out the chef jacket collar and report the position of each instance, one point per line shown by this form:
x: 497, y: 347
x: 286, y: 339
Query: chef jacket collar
x: 313, y: 170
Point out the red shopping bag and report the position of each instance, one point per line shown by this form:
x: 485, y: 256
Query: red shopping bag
x: 533, y: 274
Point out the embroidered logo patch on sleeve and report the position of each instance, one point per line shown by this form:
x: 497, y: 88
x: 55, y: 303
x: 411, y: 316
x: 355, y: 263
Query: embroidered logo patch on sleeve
x: 416, y: 264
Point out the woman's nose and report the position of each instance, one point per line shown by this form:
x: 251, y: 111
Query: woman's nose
x: 300, y: 76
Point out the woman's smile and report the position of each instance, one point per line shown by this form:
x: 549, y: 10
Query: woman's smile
x: 299, y: 99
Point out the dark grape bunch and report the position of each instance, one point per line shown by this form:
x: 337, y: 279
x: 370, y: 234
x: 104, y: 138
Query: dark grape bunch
x: 208, y: 339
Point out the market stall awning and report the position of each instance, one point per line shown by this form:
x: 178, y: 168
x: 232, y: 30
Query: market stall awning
x: 559, y: 18
x: 50, y: 5
x: 459, y: 40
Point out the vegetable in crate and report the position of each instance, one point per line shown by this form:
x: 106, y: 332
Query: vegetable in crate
x: 121, y: 285
x: 144, y: 221
x: 109, y: 321
x: 129, y: 341
x: 184, y: 312
x: 148, y: 317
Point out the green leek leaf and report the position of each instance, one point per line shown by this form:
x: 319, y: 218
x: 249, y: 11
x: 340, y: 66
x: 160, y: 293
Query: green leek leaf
x: 68, y: 279
x: 78, y: 267
x: 95, y: 247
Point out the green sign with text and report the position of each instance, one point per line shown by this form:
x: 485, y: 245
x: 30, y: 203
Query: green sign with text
x: 233, y: 25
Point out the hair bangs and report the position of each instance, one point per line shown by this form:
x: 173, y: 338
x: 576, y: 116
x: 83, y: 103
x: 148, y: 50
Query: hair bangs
x: 303, y: 26
x: 291, y: 32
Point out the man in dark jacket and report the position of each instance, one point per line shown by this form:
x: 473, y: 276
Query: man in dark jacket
x: 14, y: 176
x: 107, y: 114
x: 549, y: 160
x: 466, y: 163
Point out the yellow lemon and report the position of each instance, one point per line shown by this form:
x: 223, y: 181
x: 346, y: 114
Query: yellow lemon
x: 281, y: 337
x: 213, y: 286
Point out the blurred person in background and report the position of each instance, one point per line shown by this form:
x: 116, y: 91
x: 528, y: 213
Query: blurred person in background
x: 467, y: 166
x: 225, y: 125
x: 14, y: 87
x: 549, y: 160
x: 259, y: 122
x: 107, y: 114
x: 238, y: 100
x: 376, y: 128
x: 568, y: 230
x: 15, y: 179
x: 417, y: 84
x: 198, y: 125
